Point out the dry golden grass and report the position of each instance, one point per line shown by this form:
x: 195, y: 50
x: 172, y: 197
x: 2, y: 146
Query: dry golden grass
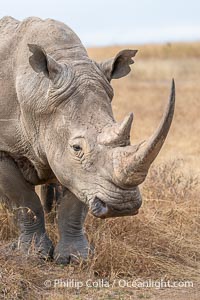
x: 163, y: 241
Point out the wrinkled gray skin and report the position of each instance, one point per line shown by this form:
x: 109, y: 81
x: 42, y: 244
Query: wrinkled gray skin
x: 56, y: 123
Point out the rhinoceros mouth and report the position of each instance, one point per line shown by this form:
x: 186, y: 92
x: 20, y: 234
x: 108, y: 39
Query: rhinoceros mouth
x: 100, y: 209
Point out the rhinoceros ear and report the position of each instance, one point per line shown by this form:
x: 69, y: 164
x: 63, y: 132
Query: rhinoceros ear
x: 119, y: 66
x: 42, y: 62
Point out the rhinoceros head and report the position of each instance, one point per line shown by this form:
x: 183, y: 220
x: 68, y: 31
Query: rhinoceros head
x: 87, y: 150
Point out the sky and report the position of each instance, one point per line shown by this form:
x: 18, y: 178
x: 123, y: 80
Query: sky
x: 108, y: 22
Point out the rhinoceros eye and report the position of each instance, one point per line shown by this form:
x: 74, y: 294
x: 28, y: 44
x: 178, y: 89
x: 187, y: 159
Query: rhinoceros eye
x: 76, y: 148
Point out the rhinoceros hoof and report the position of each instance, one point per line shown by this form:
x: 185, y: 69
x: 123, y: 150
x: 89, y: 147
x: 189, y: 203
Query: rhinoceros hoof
x: 73, y: 250
x: 40, y: 245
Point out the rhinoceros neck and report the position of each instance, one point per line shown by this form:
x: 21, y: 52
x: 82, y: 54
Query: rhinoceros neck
x: 58, y: 40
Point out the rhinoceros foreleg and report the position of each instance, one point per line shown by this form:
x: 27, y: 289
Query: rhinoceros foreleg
x: 26, y: 207
x: 73, y: 243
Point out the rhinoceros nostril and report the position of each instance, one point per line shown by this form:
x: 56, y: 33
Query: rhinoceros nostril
x: 98, y: 208
x: 101, y: 209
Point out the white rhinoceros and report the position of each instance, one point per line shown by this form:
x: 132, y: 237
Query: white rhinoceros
x: 57, y: 124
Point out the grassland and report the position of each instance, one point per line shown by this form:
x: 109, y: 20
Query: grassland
x: 163, y: 241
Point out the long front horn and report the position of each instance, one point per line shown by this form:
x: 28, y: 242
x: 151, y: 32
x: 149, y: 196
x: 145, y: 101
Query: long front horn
x: 131, y: 163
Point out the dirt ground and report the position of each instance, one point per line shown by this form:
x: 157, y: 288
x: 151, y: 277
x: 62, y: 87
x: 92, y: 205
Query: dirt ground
x: 156, y: 254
